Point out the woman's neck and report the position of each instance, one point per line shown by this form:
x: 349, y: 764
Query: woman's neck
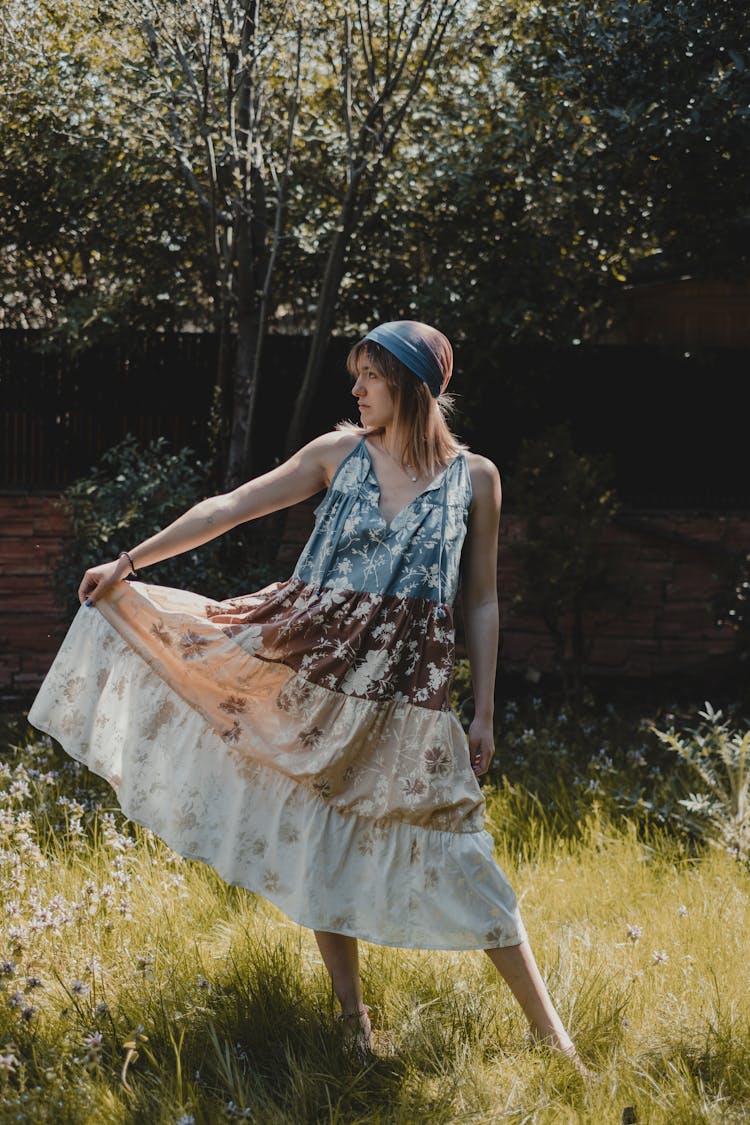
x: 391, y: 441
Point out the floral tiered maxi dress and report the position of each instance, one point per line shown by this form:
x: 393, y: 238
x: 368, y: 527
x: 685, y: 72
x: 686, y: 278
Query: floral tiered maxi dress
x: 300, y: 739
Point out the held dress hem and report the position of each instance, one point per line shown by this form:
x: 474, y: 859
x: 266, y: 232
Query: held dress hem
x: 300, y: 739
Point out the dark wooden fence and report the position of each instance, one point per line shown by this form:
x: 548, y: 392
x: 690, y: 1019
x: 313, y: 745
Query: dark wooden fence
x: 59, y: 413
x: 673, y: 422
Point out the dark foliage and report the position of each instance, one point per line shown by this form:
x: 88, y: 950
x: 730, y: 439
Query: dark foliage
x: 133, y: 492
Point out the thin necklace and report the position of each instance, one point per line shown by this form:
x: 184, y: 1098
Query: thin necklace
x: 408, y: 469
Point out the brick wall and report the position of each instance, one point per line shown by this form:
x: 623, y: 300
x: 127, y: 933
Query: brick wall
x: 32, y: 530
x: 668, y: 566
x: 670, y: 560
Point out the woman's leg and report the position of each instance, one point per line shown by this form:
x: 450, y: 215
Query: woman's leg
x: 517, y: 965
x: 341, y: 957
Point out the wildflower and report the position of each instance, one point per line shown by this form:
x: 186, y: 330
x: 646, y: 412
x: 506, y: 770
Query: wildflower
x: 682, y: 911
x: 78, y: 988
x: 101, y: 1009
x: 185, y: 1119
x: 7, y: 968
x: 93, y: 1044
x: 16, y: 999
x: 28, y: 1013
x: 659, y: 956
x: 634, y: 933
x: 8, y: 1063
x: 34, y: 982
x: 203, y: 983
x: 233, y: 1110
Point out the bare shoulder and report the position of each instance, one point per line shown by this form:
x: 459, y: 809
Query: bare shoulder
x: 485, y: 479
x: 332, y: 448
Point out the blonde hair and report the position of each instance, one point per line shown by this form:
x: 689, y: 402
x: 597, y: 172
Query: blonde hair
x: 419, y: 419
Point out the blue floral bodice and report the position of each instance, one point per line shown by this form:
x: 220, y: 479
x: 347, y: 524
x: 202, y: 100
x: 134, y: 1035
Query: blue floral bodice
x: 417, y: 554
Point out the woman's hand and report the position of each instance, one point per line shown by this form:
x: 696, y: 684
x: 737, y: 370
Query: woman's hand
x: 99, y: 579
x: 481, y: 745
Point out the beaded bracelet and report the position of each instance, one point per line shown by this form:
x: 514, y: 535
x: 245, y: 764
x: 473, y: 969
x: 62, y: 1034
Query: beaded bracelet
x: 124, y: 554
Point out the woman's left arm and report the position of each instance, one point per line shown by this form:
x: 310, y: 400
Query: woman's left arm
x: 480, y: 608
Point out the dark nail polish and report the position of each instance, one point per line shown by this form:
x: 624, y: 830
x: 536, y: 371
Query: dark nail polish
x: 88, y: 602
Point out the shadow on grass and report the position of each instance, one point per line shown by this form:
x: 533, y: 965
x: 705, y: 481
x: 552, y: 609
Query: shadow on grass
x: 268, y: 1049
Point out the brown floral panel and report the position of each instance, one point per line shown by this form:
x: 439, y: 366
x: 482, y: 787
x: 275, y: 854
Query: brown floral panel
x: 362, y: 644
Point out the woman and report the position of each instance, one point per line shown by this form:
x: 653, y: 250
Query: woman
x: 300, y: 739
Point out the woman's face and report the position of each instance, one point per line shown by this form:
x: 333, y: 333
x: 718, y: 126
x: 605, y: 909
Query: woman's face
x: 373, y: 395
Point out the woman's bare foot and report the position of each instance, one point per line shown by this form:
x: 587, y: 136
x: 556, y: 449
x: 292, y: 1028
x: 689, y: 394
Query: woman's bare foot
x: 357, y: 1033
x: 567, y: 1049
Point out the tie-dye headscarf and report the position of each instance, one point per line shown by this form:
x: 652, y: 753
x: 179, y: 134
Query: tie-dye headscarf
x: 422, y: 349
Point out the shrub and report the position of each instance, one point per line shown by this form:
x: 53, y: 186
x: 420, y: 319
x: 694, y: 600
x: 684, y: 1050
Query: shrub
x: 720, y: 813
x: 731, y: 607
x: 132, y: 493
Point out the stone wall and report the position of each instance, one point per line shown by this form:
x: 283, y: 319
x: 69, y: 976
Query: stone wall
x: 668, y: 564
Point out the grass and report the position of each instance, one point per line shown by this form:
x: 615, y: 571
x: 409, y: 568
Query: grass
x: 136, y: 987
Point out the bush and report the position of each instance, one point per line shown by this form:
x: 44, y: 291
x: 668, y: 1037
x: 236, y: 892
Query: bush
x: 132, y: 493
x: 720, y: 812
x: 731, y: 606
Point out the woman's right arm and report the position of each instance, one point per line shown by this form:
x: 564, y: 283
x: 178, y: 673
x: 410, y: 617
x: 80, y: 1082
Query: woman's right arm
x: 305, y: 473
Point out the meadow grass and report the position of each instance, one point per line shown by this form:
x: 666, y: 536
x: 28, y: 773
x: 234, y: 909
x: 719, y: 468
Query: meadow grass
x: 137, y: 987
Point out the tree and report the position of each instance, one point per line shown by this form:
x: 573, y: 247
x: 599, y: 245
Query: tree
x: 221, y: 72
x: 94, y: 238
x: 385, y: 58
x: 576, y: 149
x: 603, y: 138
